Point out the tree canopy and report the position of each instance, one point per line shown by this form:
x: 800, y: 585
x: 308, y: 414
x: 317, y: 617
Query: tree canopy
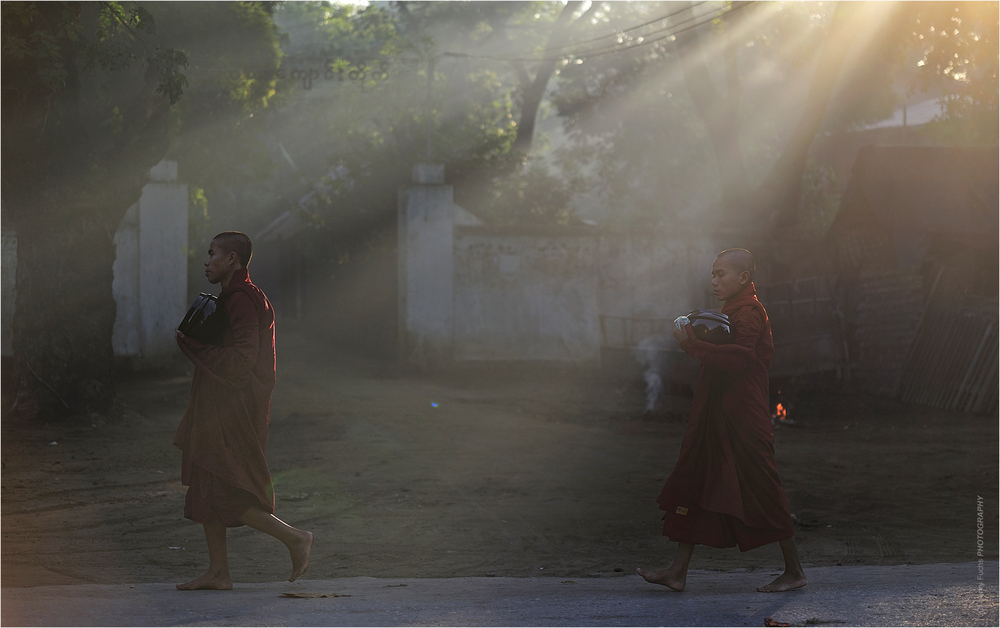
x: 93, y: 95
x: 660, y: 110
x: 637, y: 113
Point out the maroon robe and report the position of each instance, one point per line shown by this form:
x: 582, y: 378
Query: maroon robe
x: 224, y: 431
x: 725, y: 489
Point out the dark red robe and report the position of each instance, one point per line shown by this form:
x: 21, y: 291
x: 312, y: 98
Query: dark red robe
x: 725, y: 489
x: 224, y: 431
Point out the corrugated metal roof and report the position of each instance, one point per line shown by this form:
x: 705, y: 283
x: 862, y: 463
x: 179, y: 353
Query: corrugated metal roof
x: 949, y: 193
x: 953, y: 362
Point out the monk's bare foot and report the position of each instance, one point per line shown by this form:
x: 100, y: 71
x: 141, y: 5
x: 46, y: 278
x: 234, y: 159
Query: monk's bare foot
x: 785, y: 582
x: 300, y: 550
x: 666, y: 577
x: 218, y: 582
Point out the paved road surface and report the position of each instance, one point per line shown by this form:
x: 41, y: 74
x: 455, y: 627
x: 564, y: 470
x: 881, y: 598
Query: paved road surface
x: 941, y: 595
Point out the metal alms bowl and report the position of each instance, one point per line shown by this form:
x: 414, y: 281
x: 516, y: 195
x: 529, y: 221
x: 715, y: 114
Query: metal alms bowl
x: 711, y: 326
x: 204, y: 320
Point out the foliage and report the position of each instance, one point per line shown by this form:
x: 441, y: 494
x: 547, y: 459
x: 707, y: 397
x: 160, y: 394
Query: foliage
x: 37, y: 41
x: 647, y: 157
x: 958, y: 49
x: 116, y: 34
x: 956, y: 45
x: 633, y: 137
x: 820, y: 198
x: 352, y: 122
x: 341, y: 31
x: 633, y: 126
x: 534, y: 196
x: 375, y: 128
x: 92, y: 93
x: 626, y: 112
x: 235, y: 56
x: 944, y: 49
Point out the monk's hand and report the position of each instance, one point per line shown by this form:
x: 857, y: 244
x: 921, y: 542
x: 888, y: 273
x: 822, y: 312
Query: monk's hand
x: 179, y: 334
x: 684, y: 334
x: 680, y: 334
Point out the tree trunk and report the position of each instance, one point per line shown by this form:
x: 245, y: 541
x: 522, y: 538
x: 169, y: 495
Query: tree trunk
x: 533, y: 92
x: 780, y: 193
x: 472, y: 186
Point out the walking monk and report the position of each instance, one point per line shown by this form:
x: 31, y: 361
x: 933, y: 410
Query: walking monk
x: 224, y: 430
x: 725, y: 490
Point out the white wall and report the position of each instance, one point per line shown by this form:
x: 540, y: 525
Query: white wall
x: 425, y: 240
x: 655, y: 275
x: 472, y: 292
x: 150, y: 282
x: 537, y: 296
x: 526, y: 296
x: 541, y: 297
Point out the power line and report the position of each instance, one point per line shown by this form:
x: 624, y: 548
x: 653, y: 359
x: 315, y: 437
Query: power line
x: 621, y: 32
x: 612, y: 49
x: 666, y: 32
x: 663, y: 34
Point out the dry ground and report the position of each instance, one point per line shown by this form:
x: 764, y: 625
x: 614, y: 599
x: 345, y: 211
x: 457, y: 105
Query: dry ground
x: 514, y: 472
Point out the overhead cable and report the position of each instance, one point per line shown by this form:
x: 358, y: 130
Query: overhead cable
x: 658, y: 35
x: 666, y: 33
x: 620, y: 32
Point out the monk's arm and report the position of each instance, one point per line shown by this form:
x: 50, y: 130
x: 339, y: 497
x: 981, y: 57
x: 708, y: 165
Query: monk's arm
x: 230, y: 364
x: 746, y: 327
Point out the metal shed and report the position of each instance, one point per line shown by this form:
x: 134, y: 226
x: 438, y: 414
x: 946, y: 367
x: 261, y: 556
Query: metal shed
x: 916, y: 247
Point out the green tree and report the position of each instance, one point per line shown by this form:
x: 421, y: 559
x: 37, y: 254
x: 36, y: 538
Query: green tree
x: 374, y: 129
x: 517, y: 47
x: 956, y: 45
x: 89, y: 106
x: 636, y: 137
x: 841, y: 64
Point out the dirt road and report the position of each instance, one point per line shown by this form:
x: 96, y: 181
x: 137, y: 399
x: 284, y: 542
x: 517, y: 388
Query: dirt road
x: 507, y: 471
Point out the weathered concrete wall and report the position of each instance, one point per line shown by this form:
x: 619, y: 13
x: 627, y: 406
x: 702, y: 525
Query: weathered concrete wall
x: 655, y: 275
x: 8, y: 280
x: 426, y: 288
x: 163, y: 230
x: 150, y: 271
x: 472, y: 292
x: 526, y: 296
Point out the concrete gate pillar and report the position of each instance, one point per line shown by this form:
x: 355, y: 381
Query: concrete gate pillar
x: 150, y: 270
x: 426, y: 272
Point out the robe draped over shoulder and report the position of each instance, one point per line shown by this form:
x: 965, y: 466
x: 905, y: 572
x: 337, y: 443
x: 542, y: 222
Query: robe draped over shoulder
x: 724, y: 490
x: 223, y: 434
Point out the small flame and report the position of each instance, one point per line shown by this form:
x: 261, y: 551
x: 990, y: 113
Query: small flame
x: 780, y: 413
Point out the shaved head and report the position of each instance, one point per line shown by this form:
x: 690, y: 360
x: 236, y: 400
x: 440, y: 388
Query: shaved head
x: 236, y: 242
x: 740, y: 259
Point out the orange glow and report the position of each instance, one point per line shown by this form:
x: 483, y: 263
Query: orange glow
x: 780, y: 413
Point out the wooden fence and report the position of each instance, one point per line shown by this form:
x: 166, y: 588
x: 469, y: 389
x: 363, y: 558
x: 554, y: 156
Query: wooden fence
x: 953, y: 361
